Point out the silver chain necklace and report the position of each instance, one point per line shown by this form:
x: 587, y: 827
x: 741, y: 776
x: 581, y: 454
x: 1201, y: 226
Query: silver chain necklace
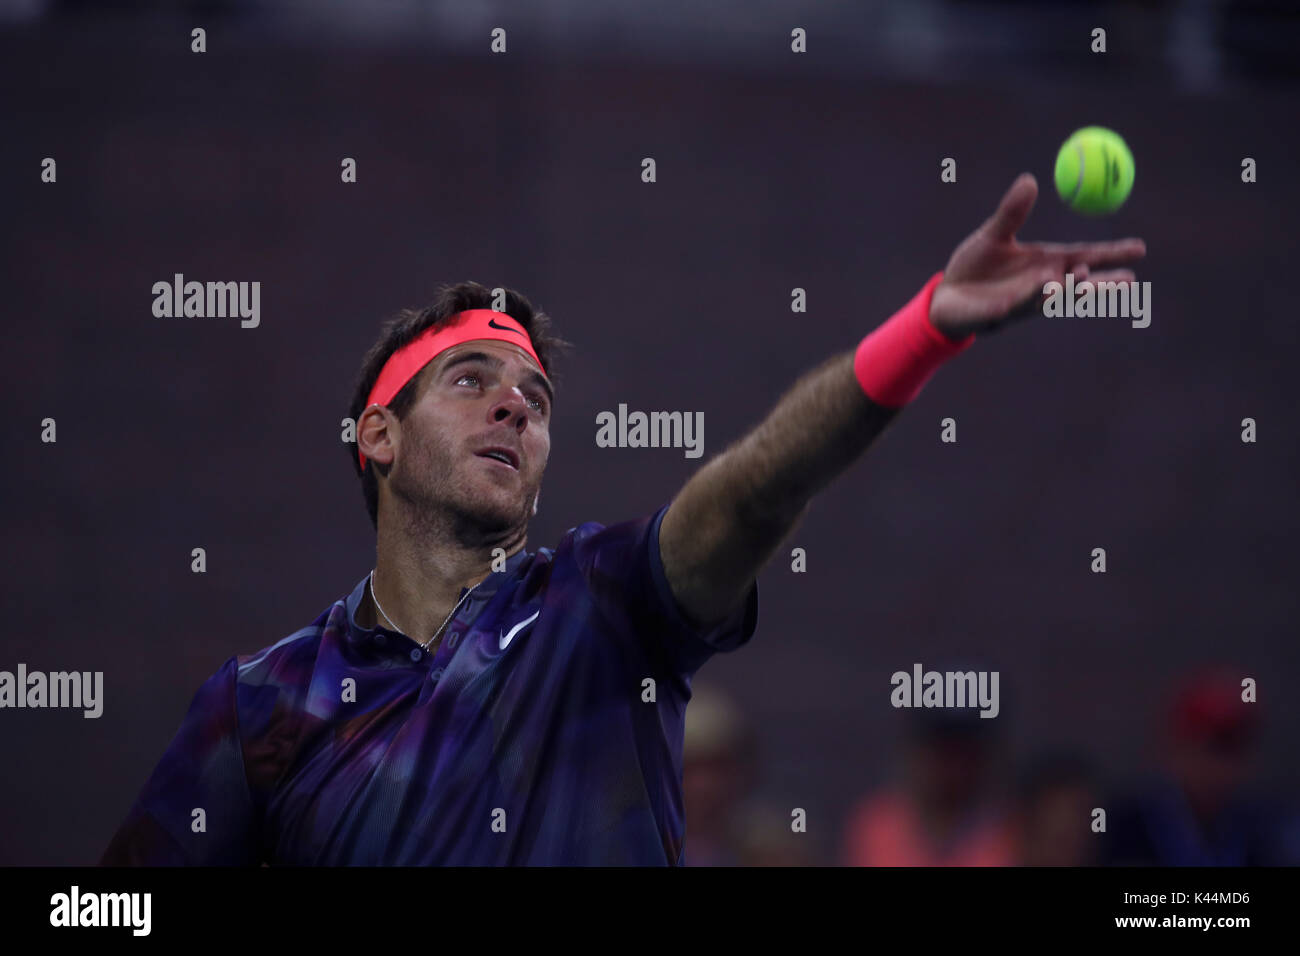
x: 426, y: 644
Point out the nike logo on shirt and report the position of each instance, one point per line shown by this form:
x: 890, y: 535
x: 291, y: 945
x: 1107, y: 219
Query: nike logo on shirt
x: 507, y: 638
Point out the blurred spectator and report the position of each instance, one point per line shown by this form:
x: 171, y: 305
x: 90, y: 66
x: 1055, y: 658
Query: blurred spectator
x: 764, y: 838
x: 1196, y: 812
x: 724, y: 825
x: 938, y: 815
x: 1054, y: 812
x: 717, y: 773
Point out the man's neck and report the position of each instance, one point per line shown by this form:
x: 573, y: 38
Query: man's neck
x: 419, y: 578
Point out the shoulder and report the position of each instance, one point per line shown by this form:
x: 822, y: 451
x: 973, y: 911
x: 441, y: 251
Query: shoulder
x: 290, y: 660
x: 624, y: 542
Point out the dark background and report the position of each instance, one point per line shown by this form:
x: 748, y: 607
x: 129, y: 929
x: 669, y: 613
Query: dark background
x: 774, y: 171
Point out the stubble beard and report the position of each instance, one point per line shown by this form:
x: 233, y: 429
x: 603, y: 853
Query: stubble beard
x: 442, y: 498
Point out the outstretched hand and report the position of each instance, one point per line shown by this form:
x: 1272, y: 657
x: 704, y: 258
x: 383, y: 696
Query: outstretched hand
x: 992, y: 280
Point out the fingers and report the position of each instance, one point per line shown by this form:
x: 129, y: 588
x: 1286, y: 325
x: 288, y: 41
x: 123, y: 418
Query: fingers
x: 1082, y: 273
x: 1095, y: 253
x: 1014, y: 208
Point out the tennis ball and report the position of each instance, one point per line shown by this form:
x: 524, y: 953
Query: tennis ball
x: 1094, y: 171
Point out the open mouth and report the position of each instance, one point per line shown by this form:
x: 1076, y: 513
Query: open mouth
x: 502, y: 455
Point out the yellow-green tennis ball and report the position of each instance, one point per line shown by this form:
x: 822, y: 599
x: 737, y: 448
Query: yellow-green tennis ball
x: 1094, y: 171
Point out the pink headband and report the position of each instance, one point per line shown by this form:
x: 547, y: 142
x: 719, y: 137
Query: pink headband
x: 404, y: 364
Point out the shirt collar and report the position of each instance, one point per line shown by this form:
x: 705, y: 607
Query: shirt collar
x: 487, y: 586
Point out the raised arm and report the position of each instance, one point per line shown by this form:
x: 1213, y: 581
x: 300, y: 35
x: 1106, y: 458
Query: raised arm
x: 727, y: 521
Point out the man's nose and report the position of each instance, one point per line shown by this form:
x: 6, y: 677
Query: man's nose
x: 509, y: 403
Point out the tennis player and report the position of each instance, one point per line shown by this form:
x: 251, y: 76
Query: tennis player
x: 472, y: 702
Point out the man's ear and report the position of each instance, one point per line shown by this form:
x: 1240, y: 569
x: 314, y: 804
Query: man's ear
x: 373, y: 421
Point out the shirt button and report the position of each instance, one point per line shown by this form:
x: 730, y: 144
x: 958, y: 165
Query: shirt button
x: 452, y: 638
x: 416, y: 654
x: 437, y: 674
x: 380, y: 639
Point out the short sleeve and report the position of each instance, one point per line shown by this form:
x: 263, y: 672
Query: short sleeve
x: 202, y: 768
x: 626, y: 574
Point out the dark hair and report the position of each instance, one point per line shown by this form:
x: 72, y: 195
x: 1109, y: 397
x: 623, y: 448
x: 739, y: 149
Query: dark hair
x: 408, y: 325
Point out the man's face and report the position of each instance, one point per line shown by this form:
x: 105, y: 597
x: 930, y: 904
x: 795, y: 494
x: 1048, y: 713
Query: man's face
x: 476, y: 395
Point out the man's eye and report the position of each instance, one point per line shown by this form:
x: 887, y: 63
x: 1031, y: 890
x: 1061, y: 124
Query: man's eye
x: 539, y: 403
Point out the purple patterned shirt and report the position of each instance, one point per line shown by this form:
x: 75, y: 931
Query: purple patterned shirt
x: 531, y: 736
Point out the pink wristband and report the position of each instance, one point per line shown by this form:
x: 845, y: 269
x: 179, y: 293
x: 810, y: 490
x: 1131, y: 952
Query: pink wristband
x: 897, y: 358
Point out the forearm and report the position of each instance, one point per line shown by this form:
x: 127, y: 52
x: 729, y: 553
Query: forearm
x: 728, y: 520
x: 829, y: 417
x: 819, y: 427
